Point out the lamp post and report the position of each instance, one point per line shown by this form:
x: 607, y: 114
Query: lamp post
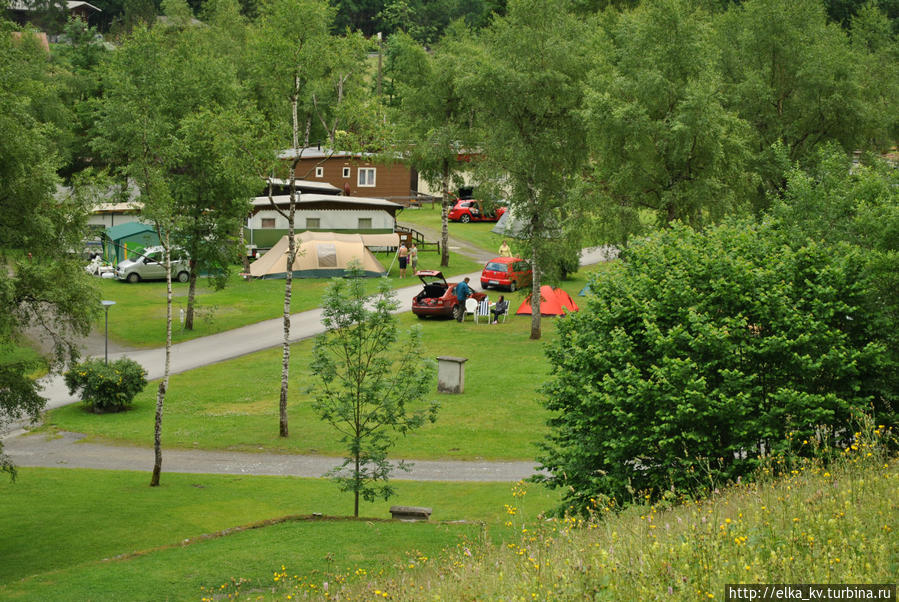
x: 106, y: 306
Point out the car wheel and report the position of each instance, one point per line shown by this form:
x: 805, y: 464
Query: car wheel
x: 457, y: 311
x: 485, y: 287
x: 465, y: 218
x: 513, y: 287
x: 133, y: 277
x: 183, y: 276
x: 420, y: 316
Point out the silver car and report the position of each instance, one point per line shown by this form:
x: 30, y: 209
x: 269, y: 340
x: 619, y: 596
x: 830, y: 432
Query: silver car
x: 150, y: 265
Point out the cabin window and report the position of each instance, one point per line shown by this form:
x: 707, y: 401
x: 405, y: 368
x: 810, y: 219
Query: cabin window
x: 366, y: 176
x: 313, y: 223
x: 268, y: 222
x: 346, y: 172
x: 365, y: 223
x: 319, y: 172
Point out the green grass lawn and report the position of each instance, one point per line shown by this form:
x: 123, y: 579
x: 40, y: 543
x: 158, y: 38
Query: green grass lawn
x: 233, y: 405
x: 106, y: 535
x: 138, y: 318
x: 477, y: 234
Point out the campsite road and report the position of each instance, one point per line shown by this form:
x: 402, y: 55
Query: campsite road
x: 67, y: 450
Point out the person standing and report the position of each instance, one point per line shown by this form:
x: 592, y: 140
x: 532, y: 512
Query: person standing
x: 462, y: 293
x: 413, y: 258
x: 504, y: 250
x: 403, y: 254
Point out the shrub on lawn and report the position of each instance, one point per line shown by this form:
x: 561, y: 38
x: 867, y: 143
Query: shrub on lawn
x: 107, y: 387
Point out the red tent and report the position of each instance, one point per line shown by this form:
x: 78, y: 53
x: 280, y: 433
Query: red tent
x: 552, y: 303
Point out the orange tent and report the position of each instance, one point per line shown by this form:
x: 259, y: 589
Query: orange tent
x: 553, y: 302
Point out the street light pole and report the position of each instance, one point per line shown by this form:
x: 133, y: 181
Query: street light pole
x: 106, y: 306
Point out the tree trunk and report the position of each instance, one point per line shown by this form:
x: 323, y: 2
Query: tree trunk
x: 191, y: 295
x: 164, y: 385
x: 356, y: 489
x: 243, y: 250
x: 536, y: 262
x: 444, y: 220
x: 288, y: 288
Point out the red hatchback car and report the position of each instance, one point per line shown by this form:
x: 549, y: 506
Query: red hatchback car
x: 473, y: 211
x: 438, y: 298
x: 509, y: 272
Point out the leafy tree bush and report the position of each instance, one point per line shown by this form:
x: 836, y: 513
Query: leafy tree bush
x: 370, y: 386
x: 700, y: 354
x: 107, y: 387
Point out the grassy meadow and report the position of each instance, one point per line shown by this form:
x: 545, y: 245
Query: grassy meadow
x: 812, y: 524
x: 477, y: 234
x: 106, y: 535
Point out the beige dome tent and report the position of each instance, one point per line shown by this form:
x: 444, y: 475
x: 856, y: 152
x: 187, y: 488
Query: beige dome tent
x: 323, y: 255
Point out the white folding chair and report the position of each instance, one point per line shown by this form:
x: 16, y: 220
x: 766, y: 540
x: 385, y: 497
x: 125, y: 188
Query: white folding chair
x: 483, y: 310
x: 471, y: 307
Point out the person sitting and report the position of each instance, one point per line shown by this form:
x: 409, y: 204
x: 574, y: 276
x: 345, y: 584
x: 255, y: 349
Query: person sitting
x: 501, y: 307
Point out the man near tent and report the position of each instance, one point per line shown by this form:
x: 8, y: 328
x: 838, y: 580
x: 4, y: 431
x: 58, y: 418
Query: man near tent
x: 462, y: 293
x: 404, y: 259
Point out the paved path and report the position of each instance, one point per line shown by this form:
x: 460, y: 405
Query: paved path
x: 66, y: 451
x: 69, y: 451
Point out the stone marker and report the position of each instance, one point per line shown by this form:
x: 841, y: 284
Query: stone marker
x: 410, y: 513
x: 451, y: 374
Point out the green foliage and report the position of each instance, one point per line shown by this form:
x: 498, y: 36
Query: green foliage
x: 523, y: 79
x: 369, y: 382
x: 796, y: 79
x: 107, y: 388
x: 661, y: 136
x: 41, y: 285
x: 702, y: 353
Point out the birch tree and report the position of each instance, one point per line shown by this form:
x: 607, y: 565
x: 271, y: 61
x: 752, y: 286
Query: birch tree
x: 301, y: 79
x: 168, y: 122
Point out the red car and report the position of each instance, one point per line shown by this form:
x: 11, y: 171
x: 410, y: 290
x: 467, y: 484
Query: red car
x: 438, y: 298
x: 509, y: 272
x: 473, y: 211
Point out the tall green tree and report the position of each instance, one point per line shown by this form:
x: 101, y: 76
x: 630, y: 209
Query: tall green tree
x: 523, y: 78
x: 794, y: 77
x: 433, y: 120
x: 370, y: 384
x: 661, y: 139
x: 42, y: 285
x: 302, y: 78
x: 172, y: 121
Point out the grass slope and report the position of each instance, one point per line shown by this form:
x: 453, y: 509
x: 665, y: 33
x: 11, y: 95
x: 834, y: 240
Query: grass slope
x: 833, y: 525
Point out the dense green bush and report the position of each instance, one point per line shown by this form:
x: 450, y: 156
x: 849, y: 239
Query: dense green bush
x: 107, y: 387
x: 700, y: 353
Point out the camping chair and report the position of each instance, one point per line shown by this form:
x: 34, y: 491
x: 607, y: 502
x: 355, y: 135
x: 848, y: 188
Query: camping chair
x: 483, y: 310
x: 471, y: 307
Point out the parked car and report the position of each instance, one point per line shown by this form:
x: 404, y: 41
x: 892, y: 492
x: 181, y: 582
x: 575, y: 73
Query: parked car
x: 474, y: 211
x: 438, y: 297
x: 150, y: 265
x: 508, y: 272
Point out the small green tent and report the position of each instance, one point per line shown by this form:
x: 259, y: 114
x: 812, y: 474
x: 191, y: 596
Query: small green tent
x: 124, y: 240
